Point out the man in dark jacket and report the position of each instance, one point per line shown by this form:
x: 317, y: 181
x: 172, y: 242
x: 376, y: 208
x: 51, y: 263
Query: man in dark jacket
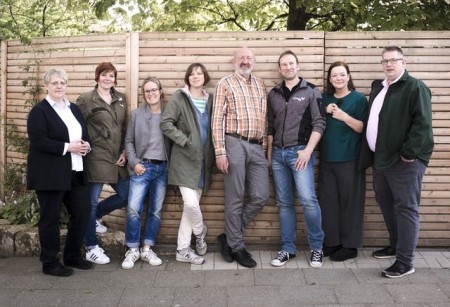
x: 398, y: 144
x: 296, y: 123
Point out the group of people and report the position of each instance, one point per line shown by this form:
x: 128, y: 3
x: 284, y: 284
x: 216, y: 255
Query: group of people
x: 77, y: 148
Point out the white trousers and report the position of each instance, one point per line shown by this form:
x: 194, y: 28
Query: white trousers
x: 192, y: 219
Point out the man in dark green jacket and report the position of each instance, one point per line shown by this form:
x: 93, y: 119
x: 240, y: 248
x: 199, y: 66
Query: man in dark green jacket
x: 398, y: 144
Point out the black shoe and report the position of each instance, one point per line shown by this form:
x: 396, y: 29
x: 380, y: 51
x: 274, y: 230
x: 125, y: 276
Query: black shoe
x: 80, y: 264
x: 244, y: 258
x: 387, y: 252
x: 58, y: 270
x: 282, y: 258
x: 397, y: 270
x: 329, y: 250
x: 225, y: 250
x: 344, y: 254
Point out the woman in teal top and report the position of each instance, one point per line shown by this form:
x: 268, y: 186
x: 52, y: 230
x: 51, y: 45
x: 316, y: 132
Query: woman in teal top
x: 341, y: 184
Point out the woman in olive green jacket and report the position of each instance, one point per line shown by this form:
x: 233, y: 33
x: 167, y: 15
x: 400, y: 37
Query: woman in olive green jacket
x: 186, y: 121
x: 104, y: 111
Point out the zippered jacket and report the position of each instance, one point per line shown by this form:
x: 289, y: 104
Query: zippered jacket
x: 179, y: 123
x: 291, y: 122
x: 106, y: 125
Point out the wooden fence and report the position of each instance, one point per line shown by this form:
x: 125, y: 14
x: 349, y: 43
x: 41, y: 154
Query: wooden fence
x: 167, y: 55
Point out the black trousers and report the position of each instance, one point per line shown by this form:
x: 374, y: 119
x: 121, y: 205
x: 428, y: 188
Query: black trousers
x: 342, y: 190
x: 78, y: 206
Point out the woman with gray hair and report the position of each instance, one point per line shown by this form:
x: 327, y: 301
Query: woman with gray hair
x: 59, y: 142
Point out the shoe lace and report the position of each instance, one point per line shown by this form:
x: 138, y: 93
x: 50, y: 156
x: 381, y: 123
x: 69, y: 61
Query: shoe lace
x: 200, y: 239
x: 150, y: 254
x: 129, y: 255
x: 190, y: 254
x: 282, y: 255
x: 97, y: 249
x: 316, y: 256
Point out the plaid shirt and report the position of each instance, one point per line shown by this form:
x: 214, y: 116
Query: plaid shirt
x: 239, y: 107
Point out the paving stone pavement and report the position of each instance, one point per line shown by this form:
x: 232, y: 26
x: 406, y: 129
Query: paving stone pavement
x: 355, y: 282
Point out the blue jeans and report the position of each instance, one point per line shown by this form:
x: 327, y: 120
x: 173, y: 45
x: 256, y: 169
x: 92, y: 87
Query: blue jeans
x: 152, y: 184
x: 106, y: 206
x: 286, y: 178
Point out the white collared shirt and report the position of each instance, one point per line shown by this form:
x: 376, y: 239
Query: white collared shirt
x: 372, y: 123
x: 74, y: 128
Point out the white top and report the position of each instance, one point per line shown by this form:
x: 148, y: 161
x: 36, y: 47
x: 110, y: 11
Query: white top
x: 74, y: 128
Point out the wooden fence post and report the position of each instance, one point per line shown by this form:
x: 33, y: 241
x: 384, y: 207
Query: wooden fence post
x: 3, y: 61
x: 132, y: 70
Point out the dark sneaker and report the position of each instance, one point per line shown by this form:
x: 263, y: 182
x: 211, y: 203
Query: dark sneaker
x: 244, y: 258
x: 329, y: 250
x: 225, y: 250
x: 387, y: 252
x: 316, y: 260
x: 344, y: 254
x: 397, y: 270
x: 282, y: 258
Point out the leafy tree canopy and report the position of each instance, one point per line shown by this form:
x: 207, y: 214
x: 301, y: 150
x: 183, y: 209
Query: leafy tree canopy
x: 34, y: 18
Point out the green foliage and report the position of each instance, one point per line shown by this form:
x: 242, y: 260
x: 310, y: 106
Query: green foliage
x: 26, y: 19
x: 37, y: 18
x: 263, y: 15
x: 21, y: 206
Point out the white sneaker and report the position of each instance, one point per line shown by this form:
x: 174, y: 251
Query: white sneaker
x: 97, y: 255
x: 200, y: 242
x: 150, y: 257
x: 188, y: 255
x: 99, y: 227
x: 131, y: 256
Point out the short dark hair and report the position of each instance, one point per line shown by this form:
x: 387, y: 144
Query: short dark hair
x: 105, y: 67
x: 286, y: 53
x: 393, y: 48
x: 191, y: 68
x: 330, y: 88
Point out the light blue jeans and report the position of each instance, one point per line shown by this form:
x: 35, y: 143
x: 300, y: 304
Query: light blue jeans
x: 286, y: 179
x: 106, y: 206
x: 153, y: 184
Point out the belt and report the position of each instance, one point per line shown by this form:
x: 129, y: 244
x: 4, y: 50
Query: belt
x: 244, y: 138
x: 153, y: 161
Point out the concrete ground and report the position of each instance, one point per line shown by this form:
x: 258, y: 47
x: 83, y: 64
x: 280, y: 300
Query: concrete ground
x: 355, y: 282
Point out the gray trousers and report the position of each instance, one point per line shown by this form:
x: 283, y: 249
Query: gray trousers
x: 248, y: 167
x: 342, y: 189
x: 397, y: 191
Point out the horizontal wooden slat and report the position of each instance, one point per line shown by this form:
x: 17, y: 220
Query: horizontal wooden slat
x: 167, y: 55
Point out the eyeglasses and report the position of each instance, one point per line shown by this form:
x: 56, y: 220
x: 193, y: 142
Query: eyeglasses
x: 56, y: 83
x: 390, y: 61
x: 153, y: 90
x: 339, y: 102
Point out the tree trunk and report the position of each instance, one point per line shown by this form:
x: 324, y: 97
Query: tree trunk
x: 297, y: 17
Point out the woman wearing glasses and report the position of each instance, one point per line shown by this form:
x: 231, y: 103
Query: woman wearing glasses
x: 186, y: 121
x: 104, y: 110
x: 59, y: 142
x: 341, y: 184
x: 148, y: 153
